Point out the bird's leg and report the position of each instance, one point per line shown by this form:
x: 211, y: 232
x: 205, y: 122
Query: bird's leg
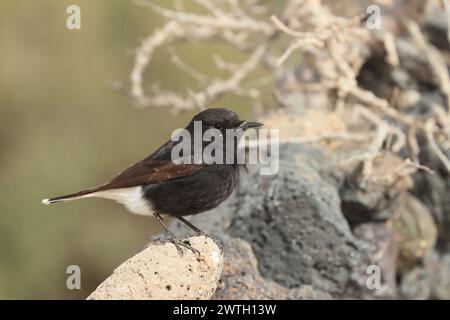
x: 197, y: 230
x: 160, y: 220
x: 200, y: 232
x: 172, y: 238
x: 190, y: 225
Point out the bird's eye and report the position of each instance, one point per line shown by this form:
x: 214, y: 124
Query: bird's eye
x: 218, y: 126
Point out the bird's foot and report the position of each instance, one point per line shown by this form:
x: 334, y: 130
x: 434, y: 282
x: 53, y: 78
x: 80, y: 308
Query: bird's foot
x: 203, y: 233
x: 182, y: 243
x: 212, y: 237
x: 207, y: 235
x: 198, y: 233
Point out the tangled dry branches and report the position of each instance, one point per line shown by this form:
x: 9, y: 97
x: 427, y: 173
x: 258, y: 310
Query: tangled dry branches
x: 332, y: 47
x: 233, y: 26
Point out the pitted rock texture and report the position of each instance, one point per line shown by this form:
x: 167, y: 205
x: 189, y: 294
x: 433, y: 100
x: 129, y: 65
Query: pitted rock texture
x: 364, y: 201
x: 381, y: 236
x: 294, y: 224
x: 160, y: 272
x: 241, y: 279
x: 415, y: 231
x: 297, y: 229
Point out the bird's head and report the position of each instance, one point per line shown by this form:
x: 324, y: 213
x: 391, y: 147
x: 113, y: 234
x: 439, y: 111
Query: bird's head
x: 217, y: 131
x: 221, y: 119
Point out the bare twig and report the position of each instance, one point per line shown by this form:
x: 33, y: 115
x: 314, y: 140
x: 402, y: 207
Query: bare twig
x: 176, y: 60
x: 447, y: 11
x: 226, y: 22
x: 333, y: 51
x: 434, y: 58
x: 392, y: 55
x: 232, y: 25
x: 429, y: 128
x: 143, y: 56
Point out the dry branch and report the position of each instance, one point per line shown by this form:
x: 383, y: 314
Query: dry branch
x: 333, y: 48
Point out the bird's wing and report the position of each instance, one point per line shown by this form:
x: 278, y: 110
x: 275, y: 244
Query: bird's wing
x: 150, y: 171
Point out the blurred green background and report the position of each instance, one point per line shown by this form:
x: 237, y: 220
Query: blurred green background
x: 62, y: 128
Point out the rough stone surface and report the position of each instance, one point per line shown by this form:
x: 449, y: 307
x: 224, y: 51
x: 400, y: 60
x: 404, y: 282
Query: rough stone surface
x: 433, y: 190
x: 295, y: 226
x: 415, y: 284
x: 160, y: 272
x: 415, y: 231
x: 441, y: 290
x: 364, y: 201
x: 241, y: 279
x: 381, y: 236
x: 435, y: 26
x: 297, y: 229
x: 420, y: 281
x: 310, y: 231
x: 290, y: 236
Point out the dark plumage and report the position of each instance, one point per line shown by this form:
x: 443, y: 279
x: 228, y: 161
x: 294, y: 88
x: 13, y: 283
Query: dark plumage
x: 203, y: 190
x: 156, y: 185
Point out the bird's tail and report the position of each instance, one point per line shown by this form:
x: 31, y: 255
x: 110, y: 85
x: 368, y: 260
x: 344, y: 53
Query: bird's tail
x: 73, y: 196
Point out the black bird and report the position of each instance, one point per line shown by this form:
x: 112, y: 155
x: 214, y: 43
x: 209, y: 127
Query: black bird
x: 157, y: 185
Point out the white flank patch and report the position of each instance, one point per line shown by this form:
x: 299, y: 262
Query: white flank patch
x: 131, y: 198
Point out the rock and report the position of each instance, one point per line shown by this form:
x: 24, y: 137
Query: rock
x: 441, y: 289
x: 308, y: 122
x: 364, y: 201
x: 418, y: 282
x: 435, y: 27
x: 294, y: 223
x: 160, y: 272
x: 297, y: 229
x: 415, y: 284
x: 328, y: 156
x: 308, y: 293
x: 413, y: 61
x: 415, y: 231
x: 433, y: 191
x: 241, y: 279
x: 381, y: 236
x: 311, y: 231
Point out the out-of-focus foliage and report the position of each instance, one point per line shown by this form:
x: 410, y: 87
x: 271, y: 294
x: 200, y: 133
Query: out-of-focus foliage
x: 63, y: 128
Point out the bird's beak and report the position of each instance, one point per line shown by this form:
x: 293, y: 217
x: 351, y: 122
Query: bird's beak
x: 249, y: 124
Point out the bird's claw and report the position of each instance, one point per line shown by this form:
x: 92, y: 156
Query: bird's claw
x: 182, y: 243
